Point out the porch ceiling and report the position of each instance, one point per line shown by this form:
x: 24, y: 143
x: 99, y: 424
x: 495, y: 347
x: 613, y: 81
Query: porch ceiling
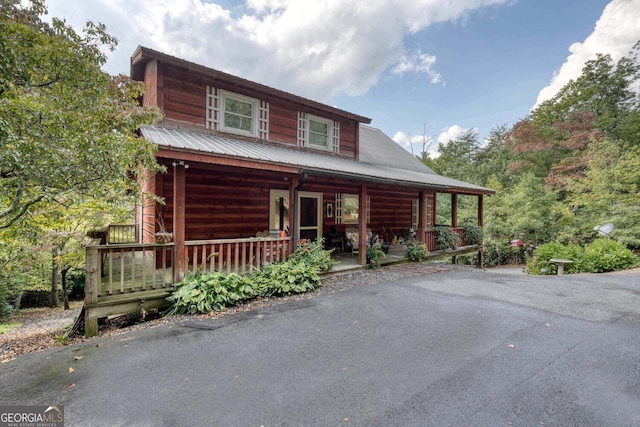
x: 377, y: 164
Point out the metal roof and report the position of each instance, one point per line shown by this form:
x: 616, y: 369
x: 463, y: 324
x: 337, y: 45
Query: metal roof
x: 381, y: 159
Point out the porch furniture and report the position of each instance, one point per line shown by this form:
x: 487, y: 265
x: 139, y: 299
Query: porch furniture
x: 561, y: 262
x: 353, y: 237
x: 335, y: 239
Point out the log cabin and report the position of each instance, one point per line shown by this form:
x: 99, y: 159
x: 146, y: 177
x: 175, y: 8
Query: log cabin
x: 246, y: 162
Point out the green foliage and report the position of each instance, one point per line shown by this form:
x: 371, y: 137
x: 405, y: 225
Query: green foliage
x: 473, y: 234
x: 447, y: 238
x: 541, y: 262
x: 599, y: 256
x: 417, y: 251
x: 313, y: 255
x: 283, y: 279
x: 66, y: 127
x: 603, y: 255
x: 203, y: 293
x: 375, y: 255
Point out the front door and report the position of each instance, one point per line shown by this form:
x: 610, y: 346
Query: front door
x: 310, y: 216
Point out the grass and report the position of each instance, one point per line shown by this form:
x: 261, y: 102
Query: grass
x: 4, y: 327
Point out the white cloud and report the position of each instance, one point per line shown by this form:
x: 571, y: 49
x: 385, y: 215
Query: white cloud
x: 615, y: 33
x: 450, y: 134
x: 315, y: 49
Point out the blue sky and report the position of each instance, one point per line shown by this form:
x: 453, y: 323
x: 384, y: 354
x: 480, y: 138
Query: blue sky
x: 406, y: 64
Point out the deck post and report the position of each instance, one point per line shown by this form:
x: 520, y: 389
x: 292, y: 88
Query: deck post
x: 179, y: 198
x: 362, y: 225
x: 92, y: 281
x: 421, y: 216
x: 481, y: 225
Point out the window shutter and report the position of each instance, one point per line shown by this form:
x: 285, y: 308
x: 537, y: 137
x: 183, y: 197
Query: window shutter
x: 428, y: 210
x: 336, y: 137
x: 337, y: 211
x: 415, y: 203
x: 302, y: 129
x: 368, y: 209
x: 213, y: 108
x: 263, y: 120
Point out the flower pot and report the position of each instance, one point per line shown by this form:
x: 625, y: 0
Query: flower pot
x: 164, y: 237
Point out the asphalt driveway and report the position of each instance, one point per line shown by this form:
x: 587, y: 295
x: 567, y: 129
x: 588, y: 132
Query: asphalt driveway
x: 462, y: 347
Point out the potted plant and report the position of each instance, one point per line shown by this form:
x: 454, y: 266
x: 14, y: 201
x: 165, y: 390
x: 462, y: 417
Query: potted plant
x: 374, y: 255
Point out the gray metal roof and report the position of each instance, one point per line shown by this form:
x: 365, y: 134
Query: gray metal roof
x: 381, y: 159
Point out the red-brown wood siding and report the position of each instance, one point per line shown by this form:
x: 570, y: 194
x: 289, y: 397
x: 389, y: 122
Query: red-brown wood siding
x: 184, y: 100
x: 151, y: 81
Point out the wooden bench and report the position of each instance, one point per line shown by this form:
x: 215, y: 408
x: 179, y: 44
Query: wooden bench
x: 561, y: 262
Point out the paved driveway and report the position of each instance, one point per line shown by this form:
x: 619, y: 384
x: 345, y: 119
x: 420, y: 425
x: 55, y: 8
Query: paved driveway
x: 463, y: 347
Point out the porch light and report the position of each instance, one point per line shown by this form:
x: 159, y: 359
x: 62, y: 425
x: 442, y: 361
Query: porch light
x: 180, y: 163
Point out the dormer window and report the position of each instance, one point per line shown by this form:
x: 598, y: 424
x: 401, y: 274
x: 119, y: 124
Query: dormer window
x: 234, y: 113
x: 239, y: 114
x: 318, y: 132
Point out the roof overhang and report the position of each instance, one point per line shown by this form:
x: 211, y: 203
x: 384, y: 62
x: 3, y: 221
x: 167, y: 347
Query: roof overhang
x: 214, y: 149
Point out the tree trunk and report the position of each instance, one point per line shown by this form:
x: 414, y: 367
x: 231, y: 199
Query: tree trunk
x: 65, y: 294
x: 55, y: 301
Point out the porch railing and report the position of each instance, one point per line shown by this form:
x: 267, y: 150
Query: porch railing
x: 432, y: 242
x: 236, y: 255
x: 122, y: 233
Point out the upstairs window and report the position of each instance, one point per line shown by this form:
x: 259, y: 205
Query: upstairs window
x: 234, y: 113
x: 318, y: 132
x: 239, y: 114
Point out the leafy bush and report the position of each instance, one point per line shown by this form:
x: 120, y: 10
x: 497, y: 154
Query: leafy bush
x: 603, y: 255
x: 313, y: 255
x: 541, y: 263
x: 599, y: 256
x: 375, y: 255
x: 417, y: 251
x: 202, y: 293
x: 447, y: 238
x: 473, y: 235
x: 286, y: 278
x: 206, y: 292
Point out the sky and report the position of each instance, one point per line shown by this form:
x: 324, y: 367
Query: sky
x: 421, y: 70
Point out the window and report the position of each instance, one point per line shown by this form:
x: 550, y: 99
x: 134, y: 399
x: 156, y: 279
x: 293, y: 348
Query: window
x: 235, y: 113
x: 240, y: 114
x: 279, y: 210
x: 350, y: 211
x: 318, y: 132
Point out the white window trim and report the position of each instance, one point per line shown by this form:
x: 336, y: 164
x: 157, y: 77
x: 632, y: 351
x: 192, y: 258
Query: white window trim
x: 333, y: 132
x: 329, y: 142
x: 224, y: 95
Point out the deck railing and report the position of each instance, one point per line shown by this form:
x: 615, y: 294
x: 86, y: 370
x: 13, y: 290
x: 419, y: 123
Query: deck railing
x: 432, y: 242
x: 236, y: 255
x: 122, y: 233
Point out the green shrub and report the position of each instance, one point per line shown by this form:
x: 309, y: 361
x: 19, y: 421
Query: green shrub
x: 285, y: 278
x: 417, y: 251
x: 446, y: 238
x: 313, y: 255
x: 541, y: 262
x: 203, y: 293
x: 599, y: 256
x: 473, y: 235
x: 603, y: 255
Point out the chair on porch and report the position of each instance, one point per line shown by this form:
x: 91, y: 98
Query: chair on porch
x: 335, y: 239
x: 353, y: 237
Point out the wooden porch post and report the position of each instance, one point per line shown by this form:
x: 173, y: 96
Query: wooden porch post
x: 454, y: 210
x: 179, y: 185
x: 362, y: 225
x: 481, y: 224
x: 421, y: 215
x: 92, y: 281
x: 293, y: 211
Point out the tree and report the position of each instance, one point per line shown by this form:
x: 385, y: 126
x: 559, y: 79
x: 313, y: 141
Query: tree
x: 65, y: 125
x: 456, y: 158
x: 67, y: 133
